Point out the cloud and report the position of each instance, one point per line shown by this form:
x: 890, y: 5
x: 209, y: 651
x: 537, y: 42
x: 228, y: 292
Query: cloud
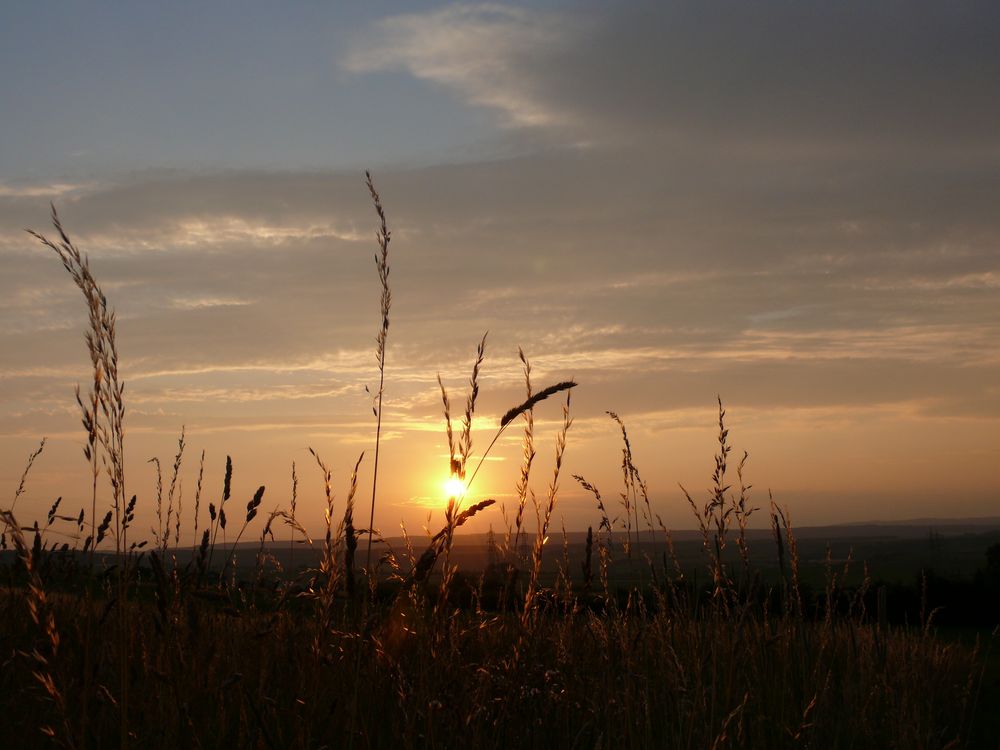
x: 985, y: 280
x: 591, y: 262
x: 208, y: 233
x: 42, y: 190
x: 283, y: 392
x: 199, y: 303
x: 473, y: 49
x: 777, y: 76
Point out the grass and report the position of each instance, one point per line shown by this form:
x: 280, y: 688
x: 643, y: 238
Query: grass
x: 163, y: 648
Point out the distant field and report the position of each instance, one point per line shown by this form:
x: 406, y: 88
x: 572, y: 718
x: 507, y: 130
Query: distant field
x: 895, y: 553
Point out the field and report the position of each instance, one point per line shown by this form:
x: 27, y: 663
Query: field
x: 629, y: 636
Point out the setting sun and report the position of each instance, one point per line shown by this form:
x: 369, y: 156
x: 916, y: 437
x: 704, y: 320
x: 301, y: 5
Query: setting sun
x: 454, y: 487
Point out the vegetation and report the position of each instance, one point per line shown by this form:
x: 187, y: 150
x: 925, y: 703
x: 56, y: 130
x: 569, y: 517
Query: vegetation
x: 157, y: 646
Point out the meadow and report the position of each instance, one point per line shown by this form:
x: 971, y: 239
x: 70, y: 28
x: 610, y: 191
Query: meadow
x: 624, y: 638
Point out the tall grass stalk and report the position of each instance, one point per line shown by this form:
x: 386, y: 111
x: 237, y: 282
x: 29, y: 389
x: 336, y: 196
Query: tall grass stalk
x: 382, y: 236
x: 528, y: 456
x: 24, y: 477
x: 217, y: 516
x: 542, y: 538
x: 292, y: 506
x: 171, y: 493
x: 109, y: 421
x: 197, y: 497
x: 252, y: 507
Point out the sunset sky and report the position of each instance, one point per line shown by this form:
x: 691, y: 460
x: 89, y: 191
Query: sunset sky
x: 793, y: 205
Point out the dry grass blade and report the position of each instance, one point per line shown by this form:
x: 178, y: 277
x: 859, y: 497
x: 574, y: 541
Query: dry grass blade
x: 42, y: 616
x: 160, y: 541
x: 527, y: 460
x: 592, y: 489
x: 512, y: 414
x: 426, y: 561
x: 541, y: 537
x: 453, y: 464
x: 173, y: 485
x: 465, y: 442
x: 24, y: 475
x: 350, y: 536
x: 197, y: 494
x: 517, y: 411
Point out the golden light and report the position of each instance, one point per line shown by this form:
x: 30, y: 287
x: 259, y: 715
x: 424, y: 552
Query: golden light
x: 454, y: 487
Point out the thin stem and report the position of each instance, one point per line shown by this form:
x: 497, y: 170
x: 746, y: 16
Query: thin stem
x: 378, y: 436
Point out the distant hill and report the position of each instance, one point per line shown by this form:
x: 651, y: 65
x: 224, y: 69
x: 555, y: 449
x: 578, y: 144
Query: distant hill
x: 912, y: 528
x: 916, y: 528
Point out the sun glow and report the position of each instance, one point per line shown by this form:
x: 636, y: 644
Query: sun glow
x: 454, y: 487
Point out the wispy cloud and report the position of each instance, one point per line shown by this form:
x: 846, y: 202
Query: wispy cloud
x: 473, y: 49
x: 44, y: 190
x: 200, y: 303
x: 985, y: 280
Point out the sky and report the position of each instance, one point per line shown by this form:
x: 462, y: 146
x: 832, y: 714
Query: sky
x: 791, y: 205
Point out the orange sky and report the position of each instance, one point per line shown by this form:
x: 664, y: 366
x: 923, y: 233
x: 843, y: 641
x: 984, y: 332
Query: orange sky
x: 663, y: 206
